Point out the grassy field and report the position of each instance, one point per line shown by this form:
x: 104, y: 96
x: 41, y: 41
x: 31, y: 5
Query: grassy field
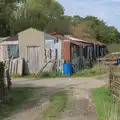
x: 113, y: 48
x: 16, y: 100
x: 57, y: 104
x: 106, y: 106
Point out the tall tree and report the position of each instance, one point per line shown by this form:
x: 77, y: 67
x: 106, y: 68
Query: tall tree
x: 6, y: 8
x: 36, y: 14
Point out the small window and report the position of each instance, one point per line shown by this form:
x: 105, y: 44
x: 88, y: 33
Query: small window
x: 56, y: 41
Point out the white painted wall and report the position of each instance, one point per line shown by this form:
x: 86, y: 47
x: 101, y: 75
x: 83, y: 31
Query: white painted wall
x: 4, y: 49
x: 3, y: 53
x: 53, y: 45
x: 58, y: 46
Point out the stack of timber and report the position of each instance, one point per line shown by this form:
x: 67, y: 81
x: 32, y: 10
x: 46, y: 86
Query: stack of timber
x: 111, y: 59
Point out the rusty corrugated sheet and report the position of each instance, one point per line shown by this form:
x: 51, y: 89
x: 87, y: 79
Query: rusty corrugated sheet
x: 66, y: 50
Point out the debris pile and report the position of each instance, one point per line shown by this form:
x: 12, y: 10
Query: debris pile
x: 111, y: 59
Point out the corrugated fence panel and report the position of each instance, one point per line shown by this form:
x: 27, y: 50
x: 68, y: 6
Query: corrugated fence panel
x: 15, y: 66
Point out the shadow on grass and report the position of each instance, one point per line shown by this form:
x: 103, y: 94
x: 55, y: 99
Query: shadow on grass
x: 24, y: 98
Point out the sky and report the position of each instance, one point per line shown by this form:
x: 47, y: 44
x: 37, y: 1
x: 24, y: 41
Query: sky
x: 107, y: 10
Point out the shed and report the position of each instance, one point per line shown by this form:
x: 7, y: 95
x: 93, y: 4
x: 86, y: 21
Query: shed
x: 31, y: 48
x: 9, y: 48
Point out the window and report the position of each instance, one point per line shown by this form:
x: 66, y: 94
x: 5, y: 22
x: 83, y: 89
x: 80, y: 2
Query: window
x: 13, y: 51
x: 56, y: 41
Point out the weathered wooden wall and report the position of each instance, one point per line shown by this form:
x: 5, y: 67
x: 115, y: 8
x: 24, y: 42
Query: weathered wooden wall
x: 15, y: 66
x: 114, y: 82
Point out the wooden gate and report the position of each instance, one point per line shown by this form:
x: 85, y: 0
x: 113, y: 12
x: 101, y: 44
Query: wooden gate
x: 33, y: 59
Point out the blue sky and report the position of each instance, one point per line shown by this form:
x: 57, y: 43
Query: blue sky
x: 107, y: 10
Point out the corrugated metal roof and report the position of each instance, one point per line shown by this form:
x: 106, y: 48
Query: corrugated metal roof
x: 12, y: 38
x: 57, y: 35
x: 84, y: 40
x: 76, y: 39
x: 99, y: 43
x: 3, y: 38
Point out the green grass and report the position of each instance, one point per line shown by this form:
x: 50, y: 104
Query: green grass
x: 106, y: 106
x: 15, y: 101
x: 86, y: 73
x: 98, y: 69
x: 113, y: 48
x: 57, y: 104
x: 42, y: 75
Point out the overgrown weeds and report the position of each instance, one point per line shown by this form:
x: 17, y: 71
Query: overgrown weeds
x: 57, y: 104
x: 42, y: 75
x: 97, y: 69
x: 106, y: 105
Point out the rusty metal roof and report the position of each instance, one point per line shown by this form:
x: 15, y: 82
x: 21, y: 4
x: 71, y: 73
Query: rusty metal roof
x: 57, y: 35
x: 85, y: 41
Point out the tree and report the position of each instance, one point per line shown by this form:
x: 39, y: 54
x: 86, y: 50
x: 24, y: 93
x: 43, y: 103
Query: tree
x: 95, y: 29
x: 6, y: 8
x: 59, y: 25
x: 36, y: 14
x: 76, y: 20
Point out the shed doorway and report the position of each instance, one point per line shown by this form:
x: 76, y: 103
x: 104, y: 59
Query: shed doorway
x: 33, y: 59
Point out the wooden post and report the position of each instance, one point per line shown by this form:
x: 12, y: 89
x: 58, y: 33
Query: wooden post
x: 2, y: 84
x: 110, y: 78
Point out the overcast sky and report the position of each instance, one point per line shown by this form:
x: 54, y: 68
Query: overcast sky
x: 107, y: 10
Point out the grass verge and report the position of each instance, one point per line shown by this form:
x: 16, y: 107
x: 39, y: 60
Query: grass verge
x: 96, y: 70
x: 16, y: 100
x: 106, y: 106
x: 42, y: 75
x: 57, y: 104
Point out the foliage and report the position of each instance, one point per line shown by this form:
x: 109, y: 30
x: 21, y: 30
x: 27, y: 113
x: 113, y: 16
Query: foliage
x: 59, y: 25
x: 106, y: 105
x: 36, y: 14
x: 89, y: 28
x: 6, y: 8
x: 95, y: 29
x: 48, y: 15
x: 57, y: 104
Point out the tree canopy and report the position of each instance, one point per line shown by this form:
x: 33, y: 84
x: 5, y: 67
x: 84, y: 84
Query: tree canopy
x: 48, y: 16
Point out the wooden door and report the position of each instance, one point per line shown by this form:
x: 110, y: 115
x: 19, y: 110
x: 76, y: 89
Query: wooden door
x: 33, y: 59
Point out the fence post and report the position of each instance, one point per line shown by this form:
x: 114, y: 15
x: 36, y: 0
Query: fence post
x: 110, y: 78
x: 2, y: 82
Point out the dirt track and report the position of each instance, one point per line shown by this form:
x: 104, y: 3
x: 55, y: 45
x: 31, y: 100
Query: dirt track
x: 79, y: 105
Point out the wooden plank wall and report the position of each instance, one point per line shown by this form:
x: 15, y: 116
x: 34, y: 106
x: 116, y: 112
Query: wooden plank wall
x: 15, y: 66
x: 114, y: 83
